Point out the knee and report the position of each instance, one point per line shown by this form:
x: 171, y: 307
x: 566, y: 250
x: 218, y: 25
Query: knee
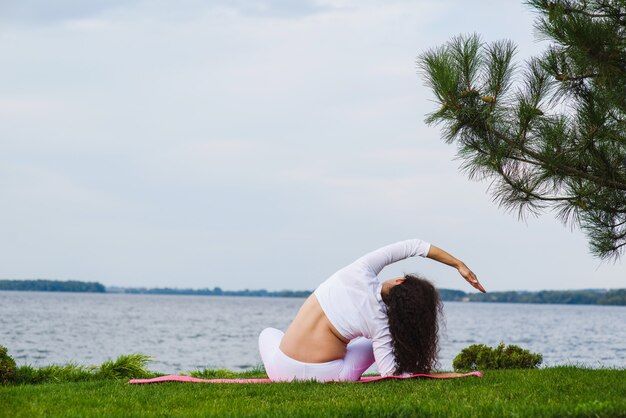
x: 268, y: 339
x: 270, y: 334
x: 361, y: 346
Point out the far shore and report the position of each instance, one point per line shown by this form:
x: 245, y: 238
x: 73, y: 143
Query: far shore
x: 615, y: 297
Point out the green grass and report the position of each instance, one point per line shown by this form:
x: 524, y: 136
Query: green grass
x: 127, y: 366
x: 560, y: 391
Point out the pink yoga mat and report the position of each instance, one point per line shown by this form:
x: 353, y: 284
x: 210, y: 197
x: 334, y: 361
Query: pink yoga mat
x: 364, y: 379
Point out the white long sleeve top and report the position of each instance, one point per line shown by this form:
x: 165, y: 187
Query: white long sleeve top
x: 352, y: 301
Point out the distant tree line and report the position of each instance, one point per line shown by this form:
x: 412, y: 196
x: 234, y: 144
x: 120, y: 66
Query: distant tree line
x: 52, y: 286
x: 216, y: 291
x: 452, y: 295
x: 575, y: 297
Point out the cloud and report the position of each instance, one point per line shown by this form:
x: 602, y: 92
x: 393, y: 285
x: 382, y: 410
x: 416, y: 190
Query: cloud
x: 37, y: 12
x: 186, y: 141
x: 42, y: 12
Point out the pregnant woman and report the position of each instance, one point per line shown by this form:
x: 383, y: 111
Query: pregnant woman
x: 353, y: 320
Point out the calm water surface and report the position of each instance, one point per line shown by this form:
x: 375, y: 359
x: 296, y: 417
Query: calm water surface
x: 186, y: 333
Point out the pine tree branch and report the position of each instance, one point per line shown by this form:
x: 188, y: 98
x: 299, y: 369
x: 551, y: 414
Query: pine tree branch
x: 570, y: 199
x: 597, y: 15
x: 528, y: 193
x: 568, y: 9
x: 574, y: 161
x: 613, y: 225
x: 563, y: 169
x: 565, y: 77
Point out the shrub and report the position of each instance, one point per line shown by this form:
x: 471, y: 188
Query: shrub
x: 54, y: 373
x: 7, y: 366
x: 481, y: 357
x: 125, y: 367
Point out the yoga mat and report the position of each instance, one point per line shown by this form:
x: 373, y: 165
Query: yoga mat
x: 364, y: 379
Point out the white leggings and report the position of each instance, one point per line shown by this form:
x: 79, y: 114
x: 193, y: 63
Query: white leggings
x: 280, y: 368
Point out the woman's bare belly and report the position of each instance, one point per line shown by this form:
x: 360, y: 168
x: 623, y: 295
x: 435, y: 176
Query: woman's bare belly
x: 311, y: 338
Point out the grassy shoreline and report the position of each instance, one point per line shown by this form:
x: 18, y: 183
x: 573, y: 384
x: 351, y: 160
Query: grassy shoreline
x: 557, y: 391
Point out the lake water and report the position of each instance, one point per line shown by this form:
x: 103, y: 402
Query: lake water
x: 186, y: 333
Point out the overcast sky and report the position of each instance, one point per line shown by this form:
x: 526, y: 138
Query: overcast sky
x: 250, y: 144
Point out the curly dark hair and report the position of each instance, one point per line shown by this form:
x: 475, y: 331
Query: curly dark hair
x: 413, y: 311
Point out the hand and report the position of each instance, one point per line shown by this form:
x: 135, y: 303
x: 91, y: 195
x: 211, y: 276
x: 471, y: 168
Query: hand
x: 471, y: 278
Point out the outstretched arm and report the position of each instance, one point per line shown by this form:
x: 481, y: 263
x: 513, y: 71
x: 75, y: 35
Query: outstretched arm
x: 389, y: 254
x: 440, y: 255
